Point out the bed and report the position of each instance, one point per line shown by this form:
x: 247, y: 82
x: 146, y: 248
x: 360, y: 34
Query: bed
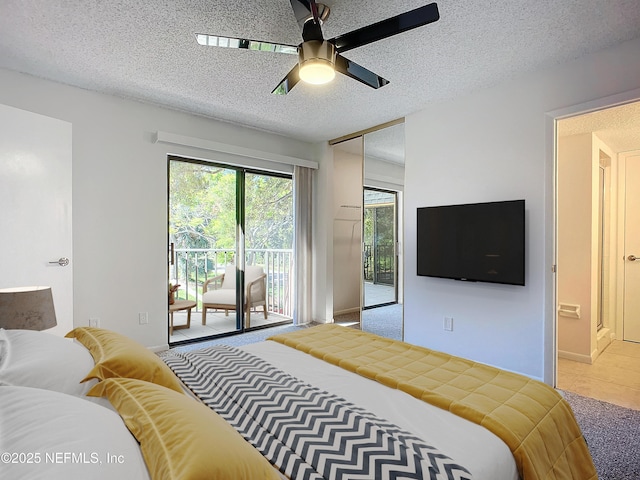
x: 323, y: 402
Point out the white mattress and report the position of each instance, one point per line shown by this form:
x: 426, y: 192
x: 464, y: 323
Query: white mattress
x: 485, y: 455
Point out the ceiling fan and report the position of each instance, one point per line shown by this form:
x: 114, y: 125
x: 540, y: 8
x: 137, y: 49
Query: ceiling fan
x: 319, y: 59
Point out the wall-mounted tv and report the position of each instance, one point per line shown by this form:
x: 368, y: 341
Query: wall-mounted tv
x: 479, y: 242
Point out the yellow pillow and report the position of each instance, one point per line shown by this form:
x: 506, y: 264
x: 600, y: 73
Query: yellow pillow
x: 118, y: 356
x: 181, y: 438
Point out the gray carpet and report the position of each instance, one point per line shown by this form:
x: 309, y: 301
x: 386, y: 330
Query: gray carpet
x: 612, y: 434
x: 383, y: 321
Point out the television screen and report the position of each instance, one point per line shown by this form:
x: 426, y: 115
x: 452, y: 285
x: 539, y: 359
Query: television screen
x: 482, y: 242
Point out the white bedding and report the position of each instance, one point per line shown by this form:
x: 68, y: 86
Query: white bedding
x: 479, y: 450
x: 35, y: 359
x: 49, y: 435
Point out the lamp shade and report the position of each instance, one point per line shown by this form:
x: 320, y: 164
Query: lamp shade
x: 27, y: 308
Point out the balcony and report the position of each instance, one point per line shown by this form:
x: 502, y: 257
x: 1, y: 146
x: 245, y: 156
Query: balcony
x: 193, y: 266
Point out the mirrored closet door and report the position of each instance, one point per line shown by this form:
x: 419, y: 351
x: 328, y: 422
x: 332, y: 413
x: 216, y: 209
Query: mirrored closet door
x: 347, y: 231
x: 368, y: 180
x: 382, y: 231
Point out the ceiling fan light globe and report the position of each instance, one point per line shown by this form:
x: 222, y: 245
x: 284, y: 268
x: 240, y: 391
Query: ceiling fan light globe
x: 317, y: 71
x: 317, y: 61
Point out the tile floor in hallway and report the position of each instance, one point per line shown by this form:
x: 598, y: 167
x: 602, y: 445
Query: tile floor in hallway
x: 614, y: 377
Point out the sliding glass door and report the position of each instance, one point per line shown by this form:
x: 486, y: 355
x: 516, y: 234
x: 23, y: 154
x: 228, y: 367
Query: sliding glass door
x: 379, y: 239
x: 268, y: 241
x: 230, y: 243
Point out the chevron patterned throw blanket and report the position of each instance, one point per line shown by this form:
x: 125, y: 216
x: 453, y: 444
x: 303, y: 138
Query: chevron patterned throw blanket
x: 305, y: 432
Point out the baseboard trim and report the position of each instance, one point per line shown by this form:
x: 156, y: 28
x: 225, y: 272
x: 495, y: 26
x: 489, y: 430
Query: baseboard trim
x: 576, y: 357
x: 604, y: 339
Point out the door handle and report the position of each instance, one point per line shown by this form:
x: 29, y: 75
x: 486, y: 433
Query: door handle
x: 62, y: 261
x: 632, y: 258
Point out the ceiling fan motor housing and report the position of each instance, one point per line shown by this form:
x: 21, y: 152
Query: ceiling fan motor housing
x: 317, y: 61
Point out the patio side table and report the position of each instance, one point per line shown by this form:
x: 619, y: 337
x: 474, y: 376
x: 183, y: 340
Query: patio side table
x: 177, y: 306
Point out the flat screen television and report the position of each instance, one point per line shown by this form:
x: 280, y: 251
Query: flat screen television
x: 479, y: 242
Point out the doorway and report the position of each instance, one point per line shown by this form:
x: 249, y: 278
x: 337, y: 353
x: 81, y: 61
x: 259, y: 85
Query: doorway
x: 595, y: 220
x: 630, y: 163
x: 230, y: 238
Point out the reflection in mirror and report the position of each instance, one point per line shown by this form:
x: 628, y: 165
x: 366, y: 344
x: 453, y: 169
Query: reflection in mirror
x: 347, y: 231
x: 379, y: 248
x: 382, y: 231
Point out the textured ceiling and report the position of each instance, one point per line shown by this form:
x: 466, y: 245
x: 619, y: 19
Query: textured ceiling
x: 618, y: 127
x: 147, y: 50
x: 386, y: 144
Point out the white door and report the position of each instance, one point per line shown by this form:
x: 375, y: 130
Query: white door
x: 35, y: 207
x: 631, y: 330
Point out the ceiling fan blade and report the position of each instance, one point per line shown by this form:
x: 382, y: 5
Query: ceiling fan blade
x: 244, y: 43
x: 358, y: 72
x: 387, y: 28
x: 301, y: 10
x: 288, y: 82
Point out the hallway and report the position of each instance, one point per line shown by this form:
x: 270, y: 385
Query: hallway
x: 613, y: 378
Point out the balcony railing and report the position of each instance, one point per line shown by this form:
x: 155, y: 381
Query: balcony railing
x: 379, y: 263
x: 193, y: 266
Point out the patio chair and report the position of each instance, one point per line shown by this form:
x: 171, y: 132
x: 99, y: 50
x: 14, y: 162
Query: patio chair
x: 219, y: 292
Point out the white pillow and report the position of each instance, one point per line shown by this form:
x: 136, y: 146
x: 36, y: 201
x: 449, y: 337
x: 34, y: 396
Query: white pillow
x: 38, y: 359
x: 51, y: 435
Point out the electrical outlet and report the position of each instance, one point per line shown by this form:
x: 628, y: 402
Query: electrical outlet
x: 448, y: 324
x: 143, y: 318
x: 94, y: 322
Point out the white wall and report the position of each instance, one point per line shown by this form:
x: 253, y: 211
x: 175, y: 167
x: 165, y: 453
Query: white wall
x: 120, y: 195
x: 493, y: 145
x: 575, y: 218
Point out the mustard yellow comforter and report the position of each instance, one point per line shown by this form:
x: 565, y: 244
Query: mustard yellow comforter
x: 529, y: 416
